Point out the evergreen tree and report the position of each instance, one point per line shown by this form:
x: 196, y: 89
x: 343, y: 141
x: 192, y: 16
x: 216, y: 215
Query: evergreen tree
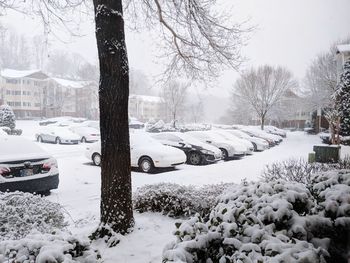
x: 7, y: 117
x: 342, y: 96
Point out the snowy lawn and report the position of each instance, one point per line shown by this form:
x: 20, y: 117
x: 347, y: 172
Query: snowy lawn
x: 79, y: 190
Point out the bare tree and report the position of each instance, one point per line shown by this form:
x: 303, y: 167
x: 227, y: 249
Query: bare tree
x: 262, y: 88
x: 174, y: 97
x: 321, y: 82
x: 199, y: 40
x: 196, y: 110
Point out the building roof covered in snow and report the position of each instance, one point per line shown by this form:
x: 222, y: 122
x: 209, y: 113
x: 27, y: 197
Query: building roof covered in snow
x: 76, y: 84
x: 16, y: 74
x: 343, y: 48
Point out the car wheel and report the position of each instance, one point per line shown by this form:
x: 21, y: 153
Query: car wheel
x: 146, y: 165
x: 39, y: 139
x: 58, y: 140
x: 83, y: 139
x: 96, y: 159
x: 224, y: 154
x: 255, y: 147
x: 194, y: 158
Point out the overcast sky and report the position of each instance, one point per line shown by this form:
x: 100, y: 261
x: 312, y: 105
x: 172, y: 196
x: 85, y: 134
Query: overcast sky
x: 290, y: 33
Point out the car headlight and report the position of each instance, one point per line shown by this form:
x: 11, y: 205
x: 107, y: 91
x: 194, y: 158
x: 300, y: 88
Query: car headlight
x: 207, y: 152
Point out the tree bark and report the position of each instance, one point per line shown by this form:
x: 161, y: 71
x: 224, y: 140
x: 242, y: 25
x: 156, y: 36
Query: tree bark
x: 116, y: 204
x: 262, y: 122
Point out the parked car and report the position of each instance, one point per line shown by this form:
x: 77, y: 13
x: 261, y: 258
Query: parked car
x: 62, y: 119
x: 58, y: 135
x: 258, y: 143
x: 24, y: 166
x: 197, y: 152
x: 92, y: 124
x: 275, y: 130
x: 87, y: 134
x: 146, y: 153
x: 228, y: 148
x: 271, y: 138
x: 231, y: 137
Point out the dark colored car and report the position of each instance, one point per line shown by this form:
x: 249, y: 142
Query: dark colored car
x: 25, y: 167
x: 197, y: 152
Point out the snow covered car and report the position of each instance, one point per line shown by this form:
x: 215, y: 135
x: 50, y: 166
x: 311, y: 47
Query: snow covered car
x: 146, y: 153
x: 233, y: 138
x: 258, y: 143
x: 87, y: 134
x: 62, y: 119
x: 271, y: 138
x: 55, y: 134
x: 229, y: 148
x: 24, y: 166
x: 196, y: 151
x: 275, y: 130
x: 92, y: 124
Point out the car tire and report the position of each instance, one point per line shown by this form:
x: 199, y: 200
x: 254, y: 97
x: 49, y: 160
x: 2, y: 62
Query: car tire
x: 224, y: 154
x: 194, y: 158
x: 255, y: 147
x: 83, y: 140
x: 96, y: 159
x: 58, y: 140
x: 146, y: 165
x: 39, y: 139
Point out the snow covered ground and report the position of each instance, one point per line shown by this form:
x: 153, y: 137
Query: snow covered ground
x: 79, y: 190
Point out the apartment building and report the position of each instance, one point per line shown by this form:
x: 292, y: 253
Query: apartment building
x: 22, y: 90
x: 32, y: 93
x: 145, y: 107
x: 342, y: 55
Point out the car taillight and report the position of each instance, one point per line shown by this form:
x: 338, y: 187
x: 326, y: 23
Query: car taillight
x: 49, y: 164
x: 5, y: 171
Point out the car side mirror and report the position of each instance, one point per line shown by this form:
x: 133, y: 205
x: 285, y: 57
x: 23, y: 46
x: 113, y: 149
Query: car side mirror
x: 182, y: 144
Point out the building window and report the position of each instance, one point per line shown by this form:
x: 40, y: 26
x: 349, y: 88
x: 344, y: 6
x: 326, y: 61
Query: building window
x: 8, y: 92
x: 37, y: 105
x: 12, y: 81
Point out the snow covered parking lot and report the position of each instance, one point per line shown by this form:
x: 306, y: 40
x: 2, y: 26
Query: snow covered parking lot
x: 79, y: 189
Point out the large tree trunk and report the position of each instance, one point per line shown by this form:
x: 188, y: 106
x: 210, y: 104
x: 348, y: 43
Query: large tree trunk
x: 116, y: 205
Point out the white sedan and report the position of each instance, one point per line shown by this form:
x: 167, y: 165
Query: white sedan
x: 258, y: 143
x: 233, y: 138
x: 87, y: 134
x: 55, y: 134
x: 146, y: 153
x: 228, y: 148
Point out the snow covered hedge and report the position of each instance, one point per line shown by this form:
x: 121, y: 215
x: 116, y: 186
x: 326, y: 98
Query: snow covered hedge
x: 177, y: 200
x: 275, y: 221
x: 30, y: 231
x: 48, y: 248
x: 299, y: 170
x: 22, y: 212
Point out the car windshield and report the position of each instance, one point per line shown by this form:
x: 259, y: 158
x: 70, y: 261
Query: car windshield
x: 143, y: 139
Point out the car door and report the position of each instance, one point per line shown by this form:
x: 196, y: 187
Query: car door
x: 134, y: 153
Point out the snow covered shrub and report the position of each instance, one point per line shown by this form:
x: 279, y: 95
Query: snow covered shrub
x: 176, y: 200
x: 275, y: 221
x: 20, y: 213
x: 7, y: 117
x: 13, y: 131
x: 48, y: 248
x: 299, y: 170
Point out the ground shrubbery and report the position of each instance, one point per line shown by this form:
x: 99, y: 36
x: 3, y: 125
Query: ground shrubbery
x: 176, y: 200
x: 22, y: 212
x: 299, y: 170
x: 31, y: 231
x: 276, y: 221
x: 48, y: 248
